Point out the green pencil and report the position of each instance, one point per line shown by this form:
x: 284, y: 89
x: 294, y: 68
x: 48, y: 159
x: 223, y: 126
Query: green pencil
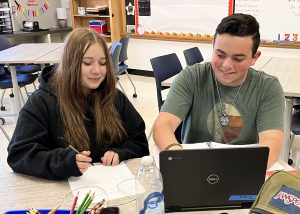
x: 83, y: 202
x: 87, y: 204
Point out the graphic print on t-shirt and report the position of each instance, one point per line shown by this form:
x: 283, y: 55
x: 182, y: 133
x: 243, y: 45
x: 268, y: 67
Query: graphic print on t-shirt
x: 225, y: 134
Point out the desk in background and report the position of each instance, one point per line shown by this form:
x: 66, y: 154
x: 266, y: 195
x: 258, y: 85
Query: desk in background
x: 48, y: 36
x: 24, y: 54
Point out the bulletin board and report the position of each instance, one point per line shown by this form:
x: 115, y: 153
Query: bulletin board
x: 196, y: 20
x: 188, y: 18
x: 278, y: 19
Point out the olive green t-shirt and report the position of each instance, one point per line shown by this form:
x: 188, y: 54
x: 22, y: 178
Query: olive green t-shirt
x: 193, y: 97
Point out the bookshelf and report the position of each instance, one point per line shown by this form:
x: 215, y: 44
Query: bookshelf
x: 6, y: 24
x: 114, y: 16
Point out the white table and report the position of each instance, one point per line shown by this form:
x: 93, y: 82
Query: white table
x: 21, y: 192
x: 287, y: 71
x: 24, y: 54
x: 51, y: 57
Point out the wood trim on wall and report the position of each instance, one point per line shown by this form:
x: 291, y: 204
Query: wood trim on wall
x: 209, y: 40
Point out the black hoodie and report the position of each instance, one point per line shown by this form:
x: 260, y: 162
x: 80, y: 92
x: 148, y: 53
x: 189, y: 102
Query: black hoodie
x: 35, y: 149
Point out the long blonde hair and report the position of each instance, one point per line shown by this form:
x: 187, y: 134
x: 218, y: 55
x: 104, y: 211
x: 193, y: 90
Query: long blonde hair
x: 72, y: 103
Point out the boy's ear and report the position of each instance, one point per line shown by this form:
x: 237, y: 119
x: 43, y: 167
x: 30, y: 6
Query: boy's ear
x: 255, y: 57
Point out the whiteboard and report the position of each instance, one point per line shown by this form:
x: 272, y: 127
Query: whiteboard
x: 276, y: 17
x: 184, y: 16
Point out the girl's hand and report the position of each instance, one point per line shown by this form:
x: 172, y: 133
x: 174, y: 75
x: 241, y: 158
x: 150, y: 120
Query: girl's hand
x: 83, y: 161
x: 110, y: 158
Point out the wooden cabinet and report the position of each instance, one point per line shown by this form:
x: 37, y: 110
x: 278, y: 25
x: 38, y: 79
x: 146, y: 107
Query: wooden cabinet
x: 6, y: 24
x: 114, y: 16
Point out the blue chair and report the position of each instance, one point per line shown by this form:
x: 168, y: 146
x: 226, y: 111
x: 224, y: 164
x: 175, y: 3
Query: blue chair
x: 164, y: 67
x: 296, y: 117
x: 192, y: 56
x: 123, y: 57
x: 29, y: 69
x: 115, y: 54
x: 6, y: 83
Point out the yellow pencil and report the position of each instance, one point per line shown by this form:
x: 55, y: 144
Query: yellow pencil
x: 54, y: 210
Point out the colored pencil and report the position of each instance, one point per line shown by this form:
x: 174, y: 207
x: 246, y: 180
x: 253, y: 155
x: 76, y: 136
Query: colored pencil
x: 74, y: 203
x: 83, y: 202
x: 97, y: 207
x: 87, y: 204
x: 54, y: 210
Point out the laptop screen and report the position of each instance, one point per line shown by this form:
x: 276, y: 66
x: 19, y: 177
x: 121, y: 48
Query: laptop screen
x: 200, y: 179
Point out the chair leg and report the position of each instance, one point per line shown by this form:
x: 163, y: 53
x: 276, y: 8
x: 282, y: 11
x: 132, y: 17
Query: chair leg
x: 122, y: 88
x: 2, y: 106
x: 21, y: 96
x: 134, y: 95
x: 290, y: 160
x: 26, y: 91
x: 4, y: 132
x: 34, y: 86
x: 150, y: 133
x: 11, y: 93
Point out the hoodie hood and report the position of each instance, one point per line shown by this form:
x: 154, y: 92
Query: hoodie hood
x: 45, y: 78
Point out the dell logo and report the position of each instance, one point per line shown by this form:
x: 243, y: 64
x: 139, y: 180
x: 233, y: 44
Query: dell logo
x: 212, y: 179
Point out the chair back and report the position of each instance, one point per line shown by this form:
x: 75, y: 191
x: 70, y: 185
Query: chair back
x: 4, y: 43
x: 115, y: 54
x: 192, y: 56
x: 123, y: 54
x: 295, y: 126
x: 164, y: 67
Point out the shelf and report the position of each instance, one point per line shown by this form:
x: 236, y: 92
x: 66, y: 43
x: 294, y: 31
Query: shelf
x: 5, y: 17
x: 114, y: 16
x: 92, y: 16
x: 5, y: 9
x: 106, y: 36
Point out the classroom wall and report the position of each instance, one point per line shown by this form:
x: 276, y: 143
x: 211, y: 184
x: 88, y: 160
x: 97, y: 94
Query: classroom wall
x: 140, y: 51
x: 46, y: 20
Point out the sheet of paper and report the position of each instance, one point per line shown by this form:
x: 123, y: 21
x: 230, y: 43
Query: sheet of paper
x: 109, y: 178
x: 222, y: 145
x: 276, y: 167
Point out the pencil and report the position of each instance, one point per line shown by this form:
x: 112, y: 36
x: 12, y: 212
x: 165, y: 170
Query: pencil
x: 87, y: 204
x: 73, y: 148
x: 74, y: 203
x: 61, y: 139
x: 54, y: 210
x: 83, y: 202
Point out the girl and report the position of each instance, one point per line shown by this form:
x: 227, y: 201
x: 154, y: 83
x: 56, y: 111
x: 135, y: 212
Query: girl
x: 76, y: 104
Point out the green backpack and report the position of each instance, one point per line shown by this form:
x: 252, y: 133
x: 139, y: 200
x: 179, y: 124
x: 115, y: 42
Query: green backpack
x: 279, y: 194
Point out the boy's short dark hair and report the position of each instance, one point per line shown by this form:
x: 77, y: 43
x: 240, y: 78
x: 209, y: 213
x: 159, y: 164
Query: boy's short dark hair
x: 240, y: 24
